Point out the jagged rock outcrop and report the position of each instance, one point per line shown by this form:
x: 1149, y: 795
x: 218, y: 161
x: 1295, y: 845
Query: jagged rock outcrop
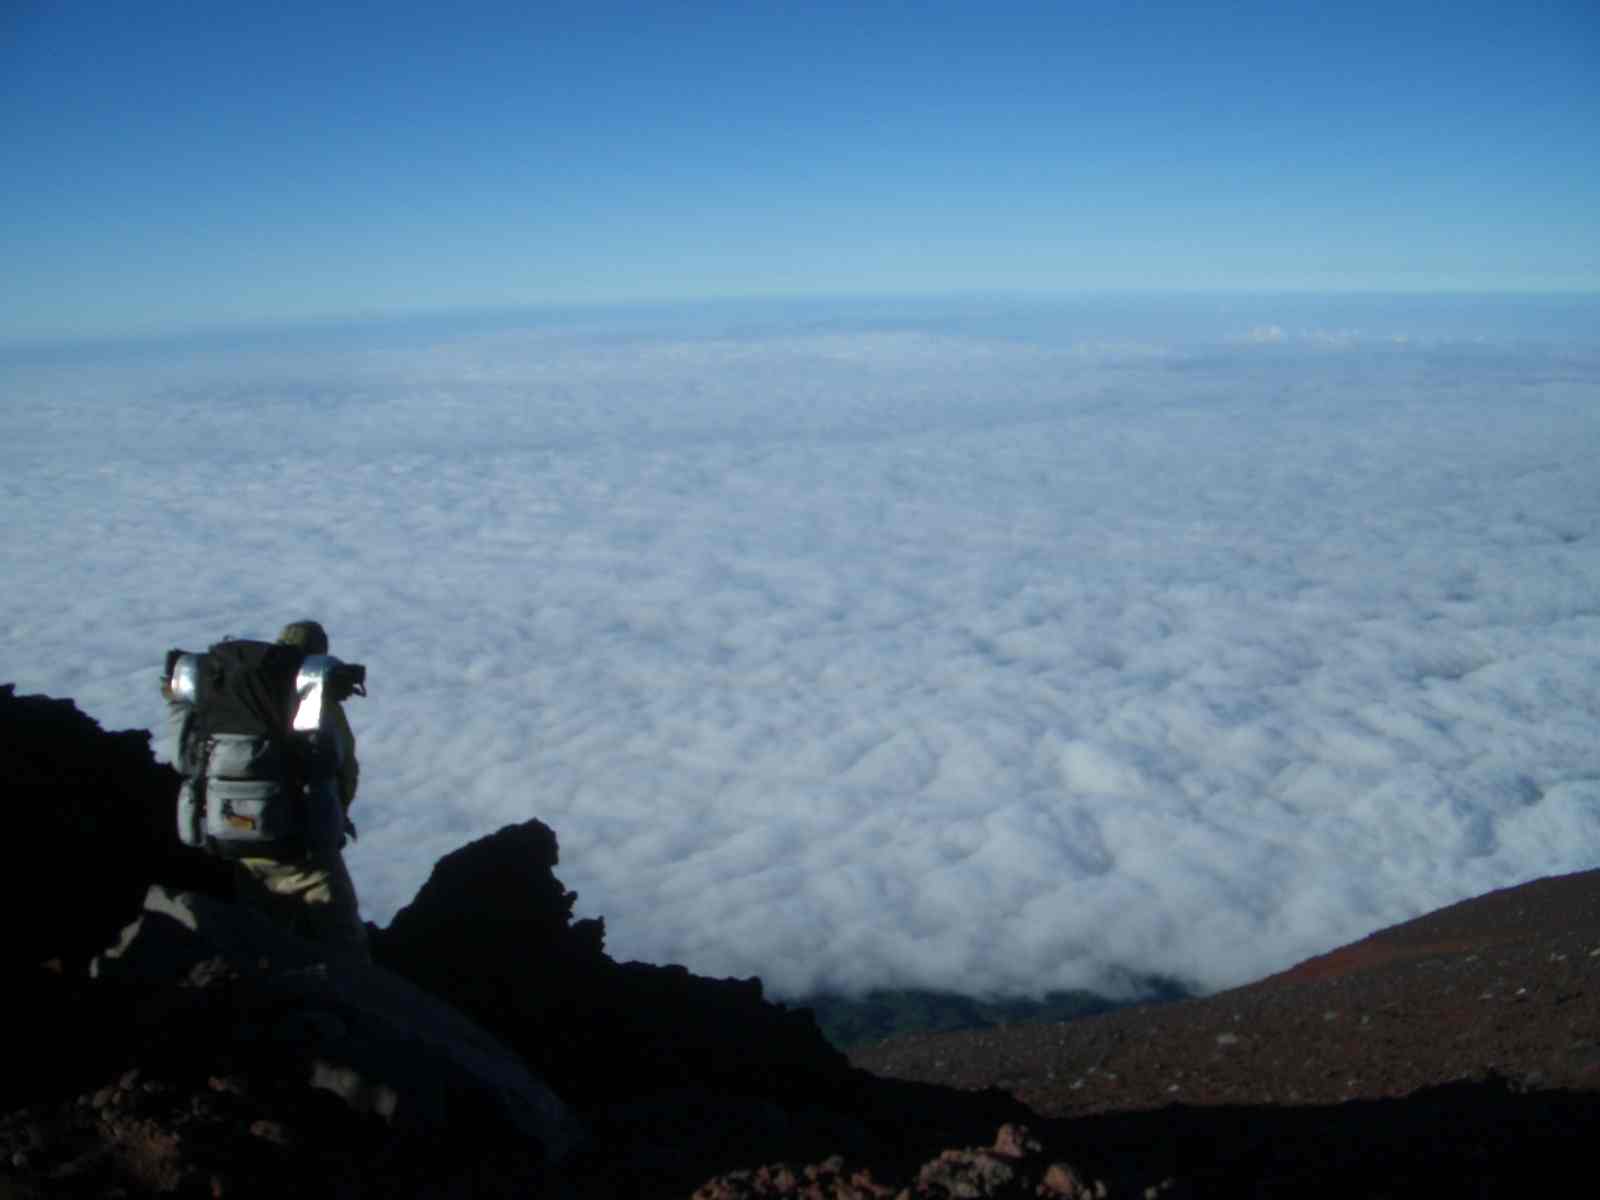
x: 491, y: 931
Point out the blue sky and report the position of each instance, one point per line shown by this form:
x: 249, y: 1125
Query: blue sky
x: 177, y: 166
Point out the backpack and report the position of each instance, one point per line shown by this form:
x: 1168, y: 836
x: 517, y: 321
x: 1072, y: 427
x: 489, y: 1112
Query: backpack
x: 255, y: 785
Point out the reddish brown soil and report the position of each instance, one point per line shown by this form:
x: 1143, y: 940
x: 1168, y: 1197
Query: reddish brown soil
x: 1505, y: 985
x: 1458, y: 1054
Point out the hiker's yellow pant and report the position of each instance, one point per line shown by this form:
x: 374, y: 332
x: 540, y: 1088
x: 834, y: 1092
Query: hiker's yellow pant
x: 314, y: 899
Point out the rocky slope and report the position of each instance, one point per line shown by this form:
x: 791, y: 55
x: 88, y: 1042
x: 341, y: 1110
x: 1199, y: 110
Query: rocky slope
x: 1461, y: 1049
x: 1458, y: 1051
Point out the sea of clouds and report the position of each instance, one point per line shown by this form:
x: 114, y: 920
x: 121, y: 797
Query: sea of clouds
x: 996, y: 649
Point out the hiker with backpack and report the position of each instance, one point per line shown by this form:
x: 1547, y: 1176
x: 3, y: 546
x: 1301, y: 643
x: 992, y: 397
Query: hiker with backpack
x: 269, y: 772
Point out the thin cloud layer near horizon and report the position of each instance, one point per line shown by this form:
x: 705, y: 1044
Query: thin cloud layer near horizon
x: 992, y: 650
x: 171, y: 168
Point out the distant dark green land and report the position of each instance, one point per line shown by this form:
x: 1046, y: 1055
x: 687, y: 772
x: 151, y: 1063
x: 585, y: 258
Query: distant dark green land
x: 850, y: 1021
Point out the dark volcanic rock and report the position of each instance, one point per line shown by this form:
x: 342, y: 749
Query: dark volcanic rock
x: 92, y: 828
x: 178, y: 1104
x: 676, y: 1076
x: 492, y: 932
x: 1014, y: 1167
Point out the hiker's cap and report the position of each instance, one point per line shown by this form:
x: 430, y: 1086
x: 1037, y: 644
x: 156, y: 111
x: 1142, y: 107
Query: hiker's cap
x: 306, y: 635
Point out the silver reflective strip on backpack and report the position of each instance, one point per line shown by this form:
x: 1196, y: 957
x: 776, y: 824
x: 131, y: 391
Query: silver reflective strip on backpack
x: 185, y: 681
x: 311, y: 687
